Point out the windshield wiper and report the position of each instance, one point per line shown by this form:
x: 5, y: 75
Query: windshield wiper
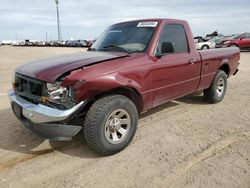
x: 118, y: 47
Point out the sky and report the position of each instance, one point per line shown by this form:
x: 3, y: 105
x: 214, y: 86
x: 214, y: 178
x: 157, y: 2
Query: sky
x: 82, y: 19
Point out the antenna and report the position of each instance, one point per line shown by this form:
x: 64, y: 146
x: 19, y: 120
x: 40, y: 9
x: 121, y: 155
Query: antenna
x: 58, y: 21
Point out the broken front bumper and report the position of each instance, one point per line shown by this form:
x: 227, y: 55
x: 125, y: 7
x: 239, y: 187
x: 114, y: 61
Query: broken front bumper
x: 46, y: 121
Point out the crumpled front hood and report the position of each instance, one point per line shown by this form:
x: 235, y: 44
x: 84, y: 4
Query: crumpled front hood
x: 50, y: 69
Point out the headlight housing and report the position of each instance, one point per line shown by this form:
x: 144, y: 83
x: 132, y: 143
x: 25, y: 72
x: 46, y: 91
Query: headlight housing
x: 58, y: 93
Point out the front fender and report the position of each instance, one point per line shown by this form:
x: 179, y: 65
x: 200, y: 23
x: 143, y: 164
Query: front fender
x: 91, y: 88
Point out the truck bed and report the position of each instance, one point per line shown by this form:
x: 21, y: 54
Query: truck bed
x: 214, y: 59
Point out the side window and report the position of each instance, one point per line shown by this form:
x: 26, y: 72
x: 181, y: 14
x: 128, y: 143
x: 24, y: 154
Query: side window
x: 175, y: 34
x: 248, y: 35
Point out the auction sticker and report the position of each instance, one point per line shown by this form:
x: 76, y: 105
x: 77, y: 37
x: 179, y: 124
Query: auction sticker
x: 147, y: 24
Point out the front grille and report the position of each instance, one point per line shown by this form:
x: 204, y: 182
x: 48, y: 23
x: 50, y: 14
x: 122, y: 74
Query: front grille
x: 29, y: 88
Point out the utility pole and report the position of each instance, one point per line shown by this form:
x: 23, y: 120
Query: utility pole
x: 58, y: 21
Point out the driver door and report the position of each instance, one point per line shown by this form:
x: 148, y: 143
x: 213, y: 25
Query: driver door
x: 176, y: 73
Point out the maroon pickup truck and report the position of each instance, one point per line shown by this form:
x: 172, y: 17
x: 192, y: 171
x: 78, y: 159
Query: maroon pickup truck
x: 131, y: 68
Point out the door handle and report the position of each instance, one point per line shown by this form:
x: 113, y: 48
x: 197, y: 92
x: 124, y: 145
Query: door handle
x: 191, y: 61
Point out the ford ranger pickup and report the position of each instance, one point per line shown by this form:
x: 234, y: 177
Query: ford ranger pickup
x: 132, y: 67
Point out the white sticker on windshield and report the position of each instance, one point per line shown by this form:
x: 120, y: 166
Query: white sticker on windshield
x: 147, y: 24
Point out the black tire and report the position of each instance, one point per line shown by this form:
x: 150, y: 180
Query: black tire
x: 205, y: 47
x: 214, y: 93
x: 95, y: 123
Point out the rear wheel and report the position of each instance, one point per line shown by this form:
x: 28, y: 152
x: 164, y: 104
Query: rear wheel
x: 216, y: 92
x: 110, y: 124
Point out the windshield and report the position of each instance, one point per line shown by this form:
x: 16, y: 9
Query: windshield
x: 130, y: 37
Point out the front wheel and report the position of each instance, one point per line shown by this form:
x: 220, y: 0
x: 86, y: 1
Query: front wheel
x: 216, y: 92
x: 110, y: 124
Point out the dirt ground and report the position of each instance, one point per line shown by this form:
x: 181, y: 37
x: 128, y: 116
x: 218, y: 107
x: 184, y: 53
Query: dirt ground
x: 184, y: 143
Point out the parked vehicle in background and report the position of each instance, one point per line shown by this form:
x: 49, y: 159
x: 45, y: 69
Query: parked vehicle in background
x: 29, y: 42
x: 218, y: 41
x: 76, y: 43
x: 132, y: 67
x: 226, y: 40
x: 241, y: 40
x: 18, y: 43
x: 213, y: 35
x: 73, y: 43
x: 89, y: 43
x: 58, y: 43
x: 7, y: 42
x: 210, y: 36
x: 68, y: 43
x: 81, y: 43
x: 40, y: 43
x: 55, y: 43
x: 14, y: 43
x: 201, y: 45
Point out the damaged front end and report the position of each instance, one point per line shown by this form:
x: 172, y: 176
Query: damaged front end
x: 58, y: 96
x: 45, y: 108
x: 47, y: 95
x: 36, y: 91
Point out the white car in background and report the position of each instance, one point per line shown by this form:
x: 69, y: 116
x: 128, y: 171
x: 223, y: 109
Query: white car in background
x: 6, y: 42
x: 201, y: 45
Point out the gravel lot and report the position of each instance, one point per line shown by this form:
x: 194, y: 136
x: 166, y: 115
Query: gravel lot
x: 184, y: 143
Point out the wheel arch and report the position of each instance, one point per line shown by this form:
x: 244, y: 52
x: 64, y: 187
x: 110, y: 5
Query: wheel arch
x: 129, y: 92
x: 225, y: 67
x: 133, y: 94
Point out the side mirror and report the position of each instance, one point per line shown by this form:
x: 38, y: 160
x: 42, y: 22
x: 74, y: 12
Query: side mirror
x: 166, y: 48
